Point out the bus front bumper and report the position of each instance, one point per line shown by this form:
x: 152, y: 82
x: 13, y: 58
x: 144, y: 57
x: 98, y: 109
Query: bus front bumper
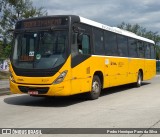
x: 62, y: 89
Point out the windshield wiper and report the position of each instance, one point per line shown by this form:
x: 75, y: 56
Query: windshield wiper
x: 55, y: 62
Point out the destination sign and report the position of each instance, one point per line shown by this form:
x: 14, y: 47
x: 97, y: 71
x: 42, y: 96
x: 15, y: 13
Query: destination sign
x: 44, y: 22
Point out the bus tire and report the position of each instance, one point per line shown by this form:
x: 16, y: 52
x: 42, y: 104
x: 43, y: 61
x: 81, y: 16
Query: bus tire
x: 139, y: 79
x: 95, y: 89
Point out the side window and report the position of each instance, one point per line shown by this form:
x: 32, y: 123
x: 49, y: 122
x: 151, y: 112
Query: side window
x: 152, y: 52
x: 132, y: 47
x: 74, y: 46
x: 140, y: 49
x: 122, y: 46
x: 111, y: 44
x: 147, y: 51
x: 98, y: 42
x: 81, y: 39
x: 80, y: 44
x: 85, y: 44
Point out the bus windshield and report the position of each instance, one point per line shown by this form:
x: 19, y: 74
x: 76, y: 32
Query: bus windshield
x: 39, y: 50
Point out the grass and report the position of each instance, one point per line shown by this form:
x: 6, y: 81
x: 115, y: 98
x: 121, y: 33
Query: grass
x: 4, y: 75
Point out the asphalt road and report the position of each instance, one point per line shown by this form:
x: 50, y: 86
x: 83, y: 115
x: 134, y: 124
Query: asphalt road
x: 119, y: 107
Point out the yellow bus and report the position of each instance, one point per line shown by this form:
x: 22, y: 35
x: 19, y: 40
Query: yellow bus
x: 68, y: 54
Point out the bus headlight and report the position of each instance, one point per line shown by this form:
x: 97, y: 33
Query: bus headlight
x: 61, y: 77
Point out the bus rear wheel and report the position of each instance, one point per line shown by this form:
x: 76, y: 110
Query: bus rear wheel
x: 139, y: 79
x: 96, y: 88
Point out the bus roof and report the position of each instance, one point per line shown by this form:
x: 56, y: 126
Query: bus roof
x: 114, y: 29
x: 96, y: 24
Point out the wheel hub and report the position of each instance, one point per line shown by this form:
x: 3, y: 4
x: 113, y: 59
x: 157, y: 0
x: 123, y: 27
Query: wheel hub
x: 95, y: 87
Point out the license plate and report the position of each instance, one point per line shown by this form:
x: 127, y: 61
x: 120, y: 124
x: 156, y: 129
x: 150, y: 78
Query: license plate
x: 33, y: 92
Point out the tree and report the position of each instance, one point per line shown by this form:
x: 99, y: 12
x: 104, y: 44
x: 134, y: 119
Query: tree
x: 13, y: 10
x: 141, y: 31
x: 2, y: 3
x: 1, y: 51
x: 4, y: 52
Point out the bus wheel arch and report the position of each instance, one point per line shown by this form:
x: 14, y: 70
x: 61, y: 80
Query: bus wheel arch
x: 100, y: 75
x: 96, y: 86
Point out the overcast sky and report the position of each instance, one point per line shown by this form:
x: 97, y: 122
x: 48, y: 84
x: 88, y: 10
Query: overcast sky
x: 109, y: 12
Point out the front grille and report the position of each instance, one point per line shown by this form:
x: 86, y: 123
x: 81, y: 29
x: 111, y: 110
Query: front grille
x: 41, y: 90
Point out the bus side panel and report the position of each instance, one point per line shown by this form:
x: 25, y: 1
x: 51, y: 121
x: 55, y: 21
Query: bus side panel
x: 112, y: 71
x: 101, y: 64
x: 83, y: 73
x: 135, y: 65
x: 122, y: 73
x: 81, y: 77
x: 117, y: 70
x: 150, y: 69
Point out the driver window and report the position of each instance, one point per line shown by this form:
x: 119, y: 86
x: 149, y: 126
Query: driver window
x: 80, y: 44
x: 85, y: 44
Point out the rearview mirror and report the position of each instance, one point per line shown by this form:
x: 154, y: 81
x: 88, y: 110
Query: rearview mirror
x: 78, y: 29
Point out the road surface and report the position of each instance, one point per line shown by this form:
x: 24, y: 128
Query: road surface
x: 119, y: 107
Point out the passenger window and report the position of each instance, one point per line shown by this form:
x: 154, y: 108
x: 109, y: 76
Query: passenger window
x: 147, y: 51
x: 111, y: 44
x: 153, y: 56
x: 122, y: 46
x: 140, y: 49
x: 132, y: 47
x: 98, y: 42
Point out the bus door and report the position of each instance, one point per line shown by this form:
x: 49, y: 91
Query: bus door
x: 80, y: 60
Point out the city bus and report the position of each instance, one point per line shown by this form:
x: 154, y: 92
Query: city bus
x: 64, y: 55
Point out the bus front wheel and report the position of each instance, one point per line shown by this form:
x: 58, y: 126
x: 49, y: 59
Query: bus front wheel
x: 95, y: 89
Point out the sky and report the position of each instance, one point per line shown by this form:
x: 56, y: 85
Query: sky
x: 109, y: 12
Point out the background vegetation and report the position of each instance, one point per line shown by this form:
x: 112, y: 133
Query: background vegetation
x: 10, y: 12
